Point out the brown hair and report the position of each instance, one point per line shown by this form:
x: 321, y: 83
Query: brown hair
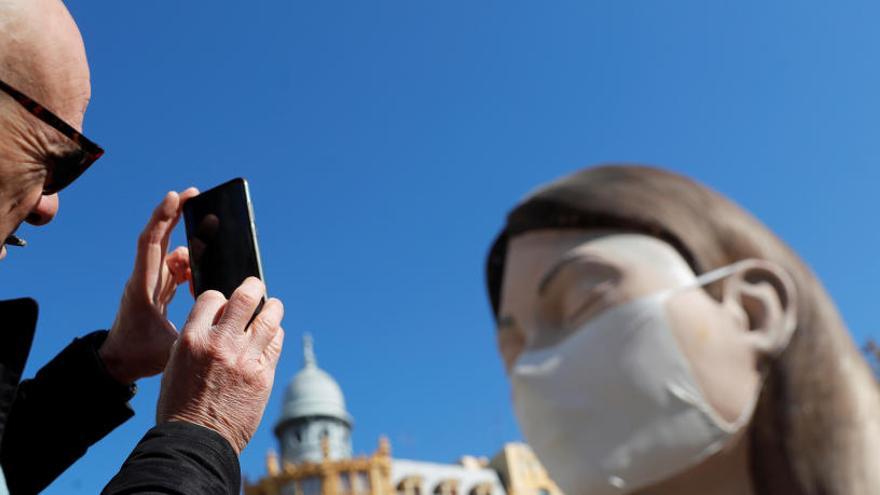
x: 816, y: 429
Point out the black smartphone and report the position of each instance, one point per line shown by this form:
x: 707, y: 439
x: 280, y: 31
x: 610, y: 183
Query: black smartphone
x: 222, y: 238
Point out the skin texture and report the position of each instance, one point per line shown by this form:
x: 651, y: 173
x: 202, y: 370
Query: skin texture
x: 556, y: 280
x: 41, y: 54
x: 141, y: 336
x: 220, y: 372
x: 236, y: 368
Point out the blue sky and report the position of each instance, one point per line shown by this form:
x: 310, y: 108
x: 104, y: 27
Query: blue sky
x: 384, y: 142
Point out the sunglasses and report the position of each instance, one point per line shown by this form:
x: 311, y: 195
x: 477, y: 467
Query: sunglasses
x: 61, y: 172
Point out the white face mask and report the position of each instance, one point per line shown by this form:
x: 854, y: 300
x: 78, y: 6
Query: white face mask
x: 615, y: 406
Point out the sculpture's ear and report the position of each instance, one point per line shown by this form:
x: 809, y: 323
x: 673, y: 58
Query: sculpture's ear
x: 765, y: 293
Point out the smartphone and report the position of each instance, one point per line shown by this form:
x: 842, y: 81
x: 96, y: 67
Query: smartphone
x: 222, y: 238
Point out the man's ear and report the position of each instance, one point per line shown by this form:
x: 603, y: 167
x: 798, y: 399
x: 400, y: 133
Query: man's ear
x: 765, y: 292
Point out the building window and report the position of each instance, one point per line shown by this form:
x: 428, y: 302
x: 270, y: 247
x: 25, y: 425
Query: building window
x: 411, y: 485
x: 448, y: 487
x: 345, y: 484
x: 484, y: 488
x: 310, y: 486
x: 289, y: 489
x: 360, y: 483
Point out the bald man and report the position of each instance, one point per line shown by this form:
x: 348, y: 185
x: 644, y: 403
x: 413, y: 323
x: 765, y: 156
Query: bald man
x: 218, y: 371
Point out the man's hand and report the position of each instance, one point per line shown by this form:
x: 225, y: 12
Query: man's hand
x: 221, y: 369
x: 141, y: 337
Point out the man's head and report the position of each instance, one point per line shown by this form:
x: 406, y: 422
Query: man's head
x: 41, y: 55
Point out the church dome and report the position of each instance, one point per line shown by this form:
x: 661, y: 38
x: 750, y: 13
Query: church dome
x: 313, y: 392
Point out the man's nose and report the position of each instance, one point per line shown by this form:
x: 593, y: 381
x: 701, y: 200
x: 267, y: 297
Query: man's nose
x: 44, y: 211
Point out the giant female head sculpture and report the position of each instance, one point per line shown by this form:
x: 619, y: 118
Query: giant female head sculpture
x: 660, y: 339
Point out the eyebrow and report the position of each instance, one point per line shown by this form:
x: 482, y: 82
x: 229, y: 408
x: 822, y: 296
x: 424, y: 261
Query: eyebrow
x: 553, y: 272
x: 556, y: 269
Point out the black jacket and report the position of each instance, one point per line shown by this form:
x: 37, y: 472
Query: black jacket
x: 38, y: 442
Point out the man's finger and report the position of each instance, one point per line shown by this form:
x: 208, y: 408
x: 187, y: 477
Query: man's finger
x: 150, y: 243
x: 265, y: 326
x: 178, y: 268
x: 185, y: 196
x: 153, y: 242
x: 188, y: 194
x: 178, y: 264
x: 273, y: 350
x: 241, y: 307
x: 202, y: 315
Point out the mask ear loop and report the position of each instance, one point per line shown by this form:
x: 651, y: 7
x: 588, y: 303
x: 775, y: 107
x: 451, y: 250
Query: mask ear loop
x: 719, y: 273
x: 702, y: 280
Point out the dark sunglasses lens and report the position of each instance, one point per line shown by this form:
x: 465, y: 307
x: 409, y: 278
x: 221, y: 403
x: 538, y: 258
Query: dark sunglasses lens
x: 62, y: 173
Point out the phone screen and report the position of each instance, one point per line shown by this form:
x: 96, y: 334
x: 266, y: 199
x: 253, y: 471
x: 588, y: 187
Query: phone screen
x: 222, y: 239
